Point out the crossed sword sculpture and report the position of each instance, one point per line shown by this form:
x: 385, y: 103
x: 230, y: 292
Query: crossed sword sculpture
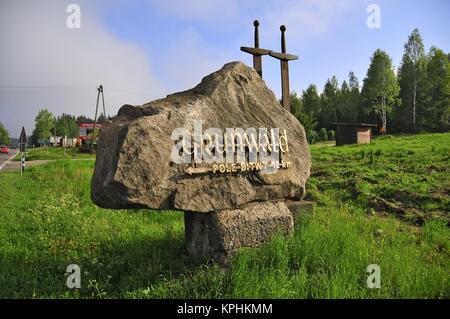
x: 284, y: 58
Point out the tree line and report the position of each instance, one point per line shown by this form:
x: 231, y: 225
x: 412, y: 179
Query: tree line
x: 413, y: 98
x: 46, y: 125
x: 4, y: 136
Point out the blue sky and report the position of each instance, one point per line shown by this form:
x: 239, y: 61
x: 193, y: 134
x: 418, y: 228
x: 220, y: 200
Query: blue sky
x: 339, y: 43
x: 145, y: 49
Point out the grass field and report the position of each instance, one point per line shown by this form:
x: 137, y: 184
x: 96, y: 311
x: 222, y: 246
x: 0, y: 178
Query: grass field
x: 54, y: 153
x: 386, y: 203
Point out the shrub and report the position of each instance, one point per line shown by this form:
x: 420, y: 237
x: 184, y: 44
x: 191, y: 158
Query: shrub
x: 312, y: 137
x: 331, y: 135
x: 323, y: 135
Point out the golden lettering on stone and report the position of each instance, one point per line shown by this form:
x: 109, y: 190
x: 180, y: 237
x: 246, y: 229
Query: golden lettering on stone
x: 224, y: 168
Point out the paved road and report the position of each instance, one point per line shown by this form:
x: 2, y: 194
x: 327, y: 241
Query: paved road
x: 5, y: 157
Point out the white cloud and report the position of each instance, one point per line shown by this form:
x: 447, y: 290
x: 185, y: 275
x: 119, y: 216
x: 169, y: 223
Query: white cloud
x: 189, y: 59
x: 190, y: 56
x: 212, y: 12
x: 305, y: 19
x: 38, y: 50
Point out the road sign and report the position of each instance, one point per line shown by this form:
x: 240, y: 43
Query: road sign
x: 23, y: 140
x: 23, y: 136
x: 23, y: 147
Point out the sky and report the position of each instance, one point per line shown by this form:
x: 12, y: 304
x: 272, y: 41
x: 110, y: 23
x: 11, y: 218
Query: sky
x: 142, y: 50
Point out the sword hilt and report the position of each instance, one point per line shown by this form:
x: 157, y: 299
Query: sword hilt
x: 256, y: 24
x: 283, y: 39
x: 256, y: 51
x: 283, y: 55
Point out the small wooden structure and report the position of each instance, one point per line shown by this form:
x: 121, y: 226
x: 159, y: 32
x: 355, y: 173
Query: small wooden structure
x: 353, y: 133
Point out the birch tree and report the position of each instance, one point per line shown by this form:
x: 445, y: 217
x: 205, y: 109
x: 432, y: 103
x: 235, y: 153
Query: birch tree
x: 412, y: 75
x: 380, y: 88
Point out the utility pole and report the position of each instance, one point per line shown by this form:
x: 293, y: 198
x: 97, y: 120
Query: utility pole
x: 99, y: 91
x: 54, y: 131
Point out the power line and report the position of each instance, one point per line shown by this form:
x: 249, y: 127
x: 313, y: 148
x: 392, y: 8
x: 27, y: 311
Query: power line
x: 126, y: 91
x: 67, y: 88
x: 45, y: 87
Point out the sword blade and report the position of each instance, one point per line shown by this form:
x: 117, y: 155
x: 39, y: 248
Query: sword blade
x: 257, y: 64
x: 285, y: 85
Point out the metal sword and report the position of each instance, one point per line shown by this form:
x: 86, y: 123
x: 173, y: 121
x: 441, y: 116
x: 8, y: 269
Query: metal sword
x: 284, y: 62
x: 257, y: 52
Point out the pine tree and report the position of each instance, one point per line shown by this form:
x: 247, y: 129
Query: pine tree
x: 329, y: 103
x: 355, y: 95
x: 4, y: 135
x: 437, y: 106
x: 311, y: 100
x: 305, y: 117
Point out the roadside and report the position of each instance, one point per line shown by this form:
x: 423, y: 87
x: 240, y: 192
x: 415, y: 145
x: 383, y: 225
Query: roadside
x: 54, y: 153
x: 6, y: 158
x: 39, y: 156
x: 15, y: 166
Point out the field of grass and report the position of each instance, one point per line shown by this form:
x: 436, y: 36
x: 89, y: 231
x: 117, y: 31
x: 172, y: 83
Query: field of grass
x: 386, y: 203
x: 408, y: 176
x: 54, y: 153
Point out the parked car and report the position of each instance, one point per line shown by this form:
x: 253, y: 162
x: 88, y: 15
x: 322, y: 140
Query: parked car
x: 4, y: 150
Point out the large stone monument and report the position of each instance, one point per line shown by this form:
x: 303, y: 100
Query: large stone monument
x: 225, y: 152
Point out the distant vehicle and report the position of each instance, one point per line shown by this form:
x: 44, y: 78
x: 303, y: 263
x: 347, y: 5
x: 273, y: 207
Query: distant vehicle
x: 4, y: 150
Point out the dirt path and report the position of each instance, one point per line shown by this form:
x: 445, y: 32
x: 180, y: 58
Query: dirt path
x: 15, y: 165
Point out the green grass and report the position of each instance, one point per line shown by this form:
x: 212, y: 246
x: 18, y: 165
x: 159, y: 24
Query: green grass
x: 54, y: 153
x: 408, y: 176
x: 49, y: 222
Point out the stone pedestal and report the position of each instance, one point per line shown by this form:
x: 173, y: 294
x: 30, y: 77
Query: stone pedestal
x: 217, y: 235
